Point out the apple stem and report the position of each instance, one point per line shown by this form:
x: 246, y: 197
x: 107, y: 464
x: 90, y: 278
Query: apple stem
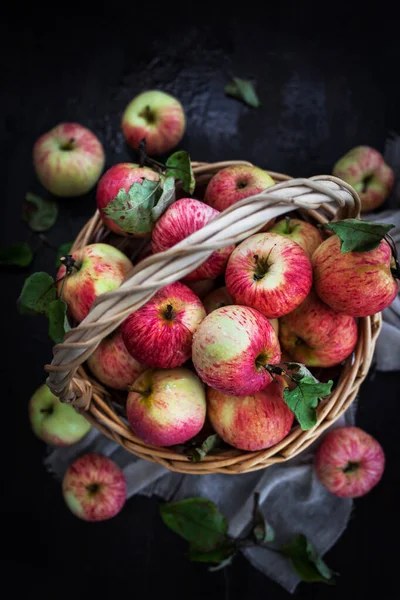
x: 168, y: 311
x: 287, y: 224
x: 140, y: 392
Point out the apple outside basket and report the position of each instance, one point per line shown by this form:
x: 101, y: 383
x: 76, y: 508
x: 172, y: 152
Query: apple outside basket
x: 318, y: 199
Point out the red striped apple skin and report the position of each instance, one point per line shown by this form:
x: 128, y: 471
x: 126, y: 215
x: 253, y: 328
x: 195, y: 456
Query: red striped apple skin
x: 159, y: 336
x: 181, y: 219
x: 303, y: 233
x: 252, y: 422
x: 231, y: 348
x: 270, y: 273
x: 316, y: 335
x: 358, y: 284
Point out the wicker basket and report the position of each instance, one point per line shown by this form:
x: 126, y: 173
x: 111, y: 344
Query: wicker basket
x: 314, y: 199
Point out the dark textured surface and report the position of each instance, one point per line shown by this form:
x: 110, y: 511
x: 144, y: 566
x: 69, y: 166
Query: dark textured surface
x: 323, y: 93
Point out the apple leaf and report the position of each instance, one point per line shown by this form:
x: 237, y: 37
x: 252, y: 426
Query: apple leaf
x: 198, y: 521
x: 58, y: 323
x: 197, y: 453
x: 305, y: 560
x: 37, y: 294
x: 262, y: 532
x: 17, y: 255
x: 300, y: 371
x: 62, y: 251
x: 166, y: 199
x: 359, y: 236
x: 132, y: 210
x: 180, y: 167
x: 303, y: 400
x: 221, y: 556
x: 40, y: 214
x: 243, y: 90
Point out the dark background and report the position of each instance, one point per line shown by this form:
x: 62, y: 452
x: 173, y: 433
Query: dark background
x: 328, y: 82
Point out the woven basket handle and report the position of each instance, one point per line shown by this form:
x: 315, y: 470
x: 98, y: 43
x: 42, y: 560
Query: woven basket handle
x: 230, y: 227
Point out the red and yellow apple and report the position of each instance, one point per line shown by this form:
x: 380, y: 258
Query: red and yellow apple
x: 303, y: 233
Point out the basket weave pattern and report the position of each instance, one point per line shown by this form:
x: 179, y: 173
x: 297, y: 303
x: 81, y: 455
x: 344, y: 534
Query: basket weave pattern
x: 319, y: 199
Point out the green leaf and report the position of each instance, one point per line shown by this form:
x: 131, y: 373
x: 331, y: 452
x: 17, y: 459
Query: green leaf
x: 221, y: 556
x: 197, y: 453
x: 243, y: 90
x: 62, y: 251
x: 180, y: 167
x: 40, y: 214
x: 57, y: 314
x: 198, y: 521
x: 166, y: 199
x: 262, y: 532
x: 303, y: 400
x: 132, y: 210
x: 359, y: 236
x: 37, y: 294
x: 300, y: 371
x: 16, y: 255
x: 305, y: 560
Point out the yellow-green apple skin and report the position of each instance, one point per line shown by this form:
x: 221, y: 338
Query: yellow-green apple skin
x: 68, y: 160
x: 156, y: 116
x: 358, y: 284
x: 365, y: 170
x: 303, y: 233
x: 55, y: 422
x: 166, y: 406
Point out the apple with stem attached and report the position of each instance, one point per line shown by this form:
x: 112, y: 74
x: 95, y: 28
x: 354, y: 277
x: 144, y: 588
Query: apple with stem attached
x: 252, y: 422
x: 166, y: 406
x: 316, y: 335
x: 68, y: 160
x: 234, y: 183
x: 159, y: 334
x: 364, y: 168
x: 156, y: 116
x: 349, y: 462
x: 55, y: 422
x: 120, y: 176
x: 94, y: 488
x: 112, y: 364
x: 358, y: 284
x: 94, y: 270
x: 303, y: 233
x: 182, y: 218
x: 232, y: 349
x: 270, y: 273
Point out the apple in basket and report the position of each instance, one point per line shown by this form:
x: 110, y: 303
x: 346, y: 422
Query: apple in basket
x: 97, y: 268
x: 182, y: 218
x: 159, y: 334
x: 112, y: 364
x: 252, y: 422
x: 234, y: 183
x: 55, y: 422
x: 156, y: 116
x: 166, y: 406
x: 232, y: 349
x: 316, y: 335
x: 365, y: 170
x: 68, y: 160
x: 303, y: 233
x: 120, y: 176
x: 354, y: 283
x: 349, y: 462
x: 94, y: 488
x: 270, y: 273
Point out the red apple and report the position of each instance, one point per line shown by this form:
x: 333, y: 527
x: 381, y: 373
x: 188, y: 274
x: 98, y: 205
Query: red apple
x: 156, y: 116
x: 301, y: 232
x: 94, y: 488
x: 364, y: 168
x: 316, y: 335
x: 120, y: 176
x: 232, y: 348
x: 98, y: 268
x: 270, y: 273
x: 181, y: 219
x: 68, y: 160
x: 349, y: 462
x: 235, y: 183
x: 354, y: 283
x: 166, y: 406
x: 216, y: 299
x: 112, y: 364
x: 160, y: 333
x: 252, y: 422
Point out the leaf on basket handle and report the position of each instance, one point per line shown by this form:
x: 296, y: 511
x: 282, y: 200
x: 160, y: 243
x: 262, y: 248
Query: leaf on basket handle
x: 197, y: 453
x: 359, y: 236
x: 305, y: 560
